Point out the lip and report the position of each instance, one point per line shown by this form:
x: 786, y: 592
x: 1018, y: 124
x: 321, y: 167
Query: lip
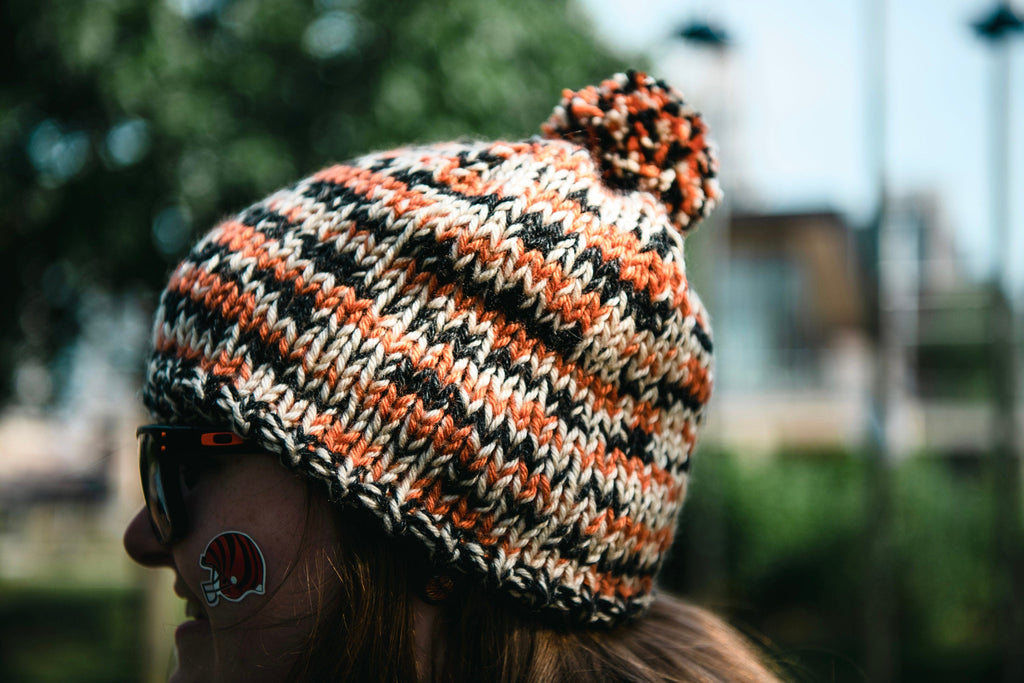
x: 198, y: 620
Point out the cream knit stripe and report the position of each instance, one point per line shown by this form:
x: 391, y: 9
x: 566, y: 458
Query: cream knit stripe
x: 290, y: 409
x: 537, y: 361
x: 607, y: 336
x: 524, y: 176
x: 358, y: 240
x: 507, y: 397
x: 276, y: 323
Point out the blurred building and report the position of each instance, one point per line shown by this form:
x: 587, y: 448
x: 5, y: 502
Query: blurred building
x: 795, y: 307
x: 793, y: 354
x: 68, y: 464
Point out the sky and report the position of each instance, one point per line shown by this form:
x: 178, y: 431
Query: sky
x: 791, y: 96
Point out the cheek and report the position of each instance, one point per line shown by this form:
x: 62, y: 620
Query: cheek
x: 240, y: 553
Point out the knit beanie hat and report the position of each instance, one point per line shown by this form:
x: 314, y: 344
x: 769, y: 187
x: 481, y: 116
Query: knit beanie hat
x: 492, y: 347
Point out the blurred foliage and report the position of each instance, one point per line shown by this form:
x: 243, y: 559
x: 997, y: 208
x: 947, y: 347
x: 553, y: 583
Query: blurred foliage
x: 130, y: 126
x: 779, y: 543
x: 69, y: 635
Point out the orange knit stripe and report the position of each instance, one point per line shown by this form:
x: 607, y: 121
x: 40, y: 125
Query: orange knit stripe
x: 583, y: 310
x: 361, y: 453
x: 456, y: 509
x: 440, y: 357
x: 223, y: 296
x: 420, y: 422
x: 645, y: 271
x: 343, y: 301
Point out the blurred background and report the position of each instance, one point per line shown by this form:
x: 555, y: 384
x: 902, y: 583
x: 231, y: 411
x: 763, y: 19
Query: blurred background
x: 855, y: 501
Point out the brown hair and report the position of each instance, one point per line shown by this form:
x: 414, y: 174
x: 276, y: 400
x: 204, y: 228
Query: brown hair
x: 364, y: 632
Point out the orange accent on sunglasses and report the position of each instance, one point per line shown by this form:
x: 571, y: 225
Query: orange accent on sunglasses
x: 220, y: 439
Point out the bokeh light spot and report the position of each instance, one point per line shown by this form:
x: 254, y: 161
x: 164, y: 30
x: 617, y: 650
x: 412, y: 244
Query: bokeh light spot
x: 57, y: 155
x: 195, y: 9
x: 128, y: 142
x: 330, y: 35
x: 171, y: 229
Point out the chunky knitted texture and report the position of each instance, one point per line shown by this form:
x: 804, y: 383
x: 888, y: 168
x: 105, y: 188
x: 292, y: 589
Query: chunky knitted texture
x: 645, y: 138
x: 484, y: 344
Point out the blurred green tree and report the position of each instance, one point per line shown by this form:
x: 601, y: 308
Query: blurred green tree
x: 129, y: 126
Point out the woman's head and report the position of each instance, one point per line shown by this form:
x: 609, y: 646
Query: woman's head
x: 489, y: 349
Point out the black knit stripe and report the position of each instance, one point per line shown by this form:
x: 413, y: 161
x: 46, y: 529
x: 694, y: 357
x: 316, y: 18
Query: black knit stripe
x: 577, y: 411
x: 573, y: 413
x: 569, y: 539
x: 537, y: 236
x: 651, y: 237
x: 481, y: 158
x: 436, y: 257
x: 441, y: 257
x: 648, y: 316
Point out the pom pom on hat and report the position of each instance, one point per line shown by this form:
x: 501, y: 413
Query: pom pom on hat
x: 645, y: 137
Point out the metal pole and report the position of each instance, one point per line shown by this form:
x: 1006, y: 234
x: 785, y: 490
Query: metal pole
x: 996, y: 29
x: 880, y: 633
x: 1005, y: 430
x: 708, y: 541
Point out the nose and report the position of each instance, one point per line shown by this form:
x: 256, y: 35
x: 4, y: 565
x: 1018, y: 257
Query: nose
x: 141, y: 544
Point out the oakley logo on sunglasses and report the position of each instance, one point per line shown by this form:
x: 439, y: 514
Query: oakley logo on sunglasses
x: 220, y: 439
x: 236, y: 568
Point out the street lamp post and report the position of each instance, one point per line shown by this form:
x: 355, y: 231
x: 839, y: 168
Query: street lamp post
x: 996, y: 28
x: 707, y: 543
x: 881, y: 647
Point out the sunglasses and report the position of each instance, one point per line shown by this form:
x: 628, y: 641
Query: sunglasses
x: 166, y: 455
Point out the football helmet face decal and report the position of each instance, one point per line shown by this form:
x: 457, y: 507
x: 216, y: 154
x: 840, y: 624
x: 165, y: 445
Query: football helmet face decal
x: 236, y: 565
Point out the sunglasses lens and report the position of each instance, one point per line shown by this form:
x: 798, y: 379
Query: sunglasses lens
x: 153, y: 483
